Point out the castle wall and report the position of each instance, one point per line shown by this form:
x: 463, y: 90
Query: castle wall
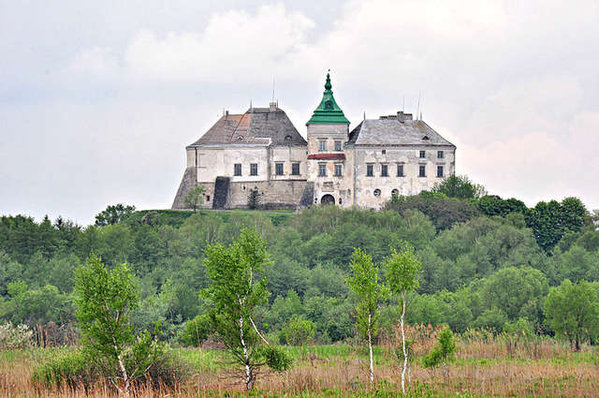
x: 410, y: 184
x: 284, y: 191
x: 218, y: 161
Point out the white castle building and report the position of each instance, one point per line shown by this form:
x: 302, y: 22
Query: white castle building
x: 262, y: 150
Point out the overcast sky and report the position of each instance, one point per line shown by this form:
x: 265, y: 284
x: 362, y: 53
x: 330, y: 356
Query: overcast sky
x: 98, y: 99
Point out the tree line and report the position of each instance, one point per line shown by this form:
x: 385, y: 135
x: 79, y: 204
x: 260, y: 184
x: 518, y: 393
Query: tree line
x: 485, y: 262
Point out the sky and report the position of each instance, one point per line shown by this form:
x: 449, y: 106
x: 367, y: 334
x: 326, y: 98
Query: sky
x: 98, y: 99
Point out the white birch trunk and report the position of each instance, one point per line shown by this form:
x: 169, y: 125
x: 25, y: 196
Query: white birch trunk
x: 403, y: 345
x: 248, y: 373
x: 370, y: 349
x: 123, y: 372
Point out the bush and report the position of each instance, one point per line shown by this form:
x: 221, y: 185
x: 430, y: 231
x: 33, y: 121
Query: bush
x: 71, y: 370
x: 195, y: 331
x: 149, y: 362
x: 299, y: 331
x: 15, y: 336
x: 441, y: 353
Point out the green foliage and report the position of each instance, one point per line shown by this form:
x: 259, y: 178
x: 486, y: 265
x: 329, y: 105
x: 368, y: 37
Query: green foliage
x: 114, y: 214
x: 67, y: 371
x: 254, y: 199
x: 238, y: 287
x: 444, y: 212
x: 194, y: 197
x: 443, y: 352
x: 274, y: 357
x: 492, y: 205
x: 551, y: 220
x: 299, y: 331
x: 459, y: 187
x: 196, y: 331
x: 463, y: 257
x: 572, y: 311
x: 105, y: 299
x: 517, y: 291
x: 368, y: 291
x: 403, y: 270
x: 37, y: 306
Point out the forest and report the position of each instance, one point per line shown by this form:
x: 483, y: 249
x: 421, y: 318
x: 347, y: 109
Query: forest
x: 487, y: 264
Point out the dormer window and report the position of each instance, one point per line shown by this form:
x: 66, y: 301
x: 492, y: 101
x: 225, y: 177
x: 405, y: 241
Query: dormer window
x: 426, y: 138
x: 328, y: 104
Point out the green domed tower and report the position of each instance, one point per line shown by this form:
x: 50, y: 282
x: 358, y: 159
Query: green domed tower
x: 328, y: 112
x: 328, y: 132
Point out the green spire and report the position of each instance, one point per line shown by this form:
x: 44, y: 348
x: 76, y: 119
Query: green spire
x: 328, y: 111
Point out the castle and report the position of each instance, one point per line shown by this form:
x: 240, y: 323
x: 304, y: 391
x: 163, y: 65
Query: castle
x: 261, y: 150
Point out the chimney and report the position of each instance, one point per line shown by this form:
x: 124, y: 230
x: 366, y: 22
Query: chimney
x: 402, y: 117
x: 272, y: 106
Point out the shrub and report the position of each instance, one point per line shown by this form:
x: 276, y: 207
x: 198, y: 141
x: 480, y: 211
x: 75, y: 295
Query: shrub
x: 299, y: 331
x: 15, y: 336
x: 71, y: 370
x: 443, y: 352
x: 150, y: 363
x: 195, y: 332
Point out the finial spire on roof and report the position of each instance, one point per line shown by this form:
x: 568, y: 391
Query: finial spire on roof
x: 328, y: 84
x: 328, y: 111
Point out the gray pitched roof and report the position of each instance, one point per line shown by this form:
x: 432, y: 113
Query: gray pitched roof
x: 261, y: 126
x: 395, y: 132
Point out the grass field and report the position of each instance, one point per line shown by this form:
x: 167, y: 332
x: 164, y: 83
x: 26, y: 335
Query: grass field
x: 483, y: 367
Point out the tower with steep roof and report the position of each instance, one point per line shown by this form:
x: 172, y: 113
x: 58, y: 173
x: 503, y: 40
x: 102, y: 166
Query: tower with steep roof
x: 327, y: 132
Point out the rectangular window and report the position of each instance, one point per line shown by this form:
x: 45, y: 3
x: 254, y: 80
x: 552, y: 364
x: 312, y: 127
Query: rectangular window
x: 295, y: 169
x: 322, y: 169
x: 279, y: 168
x: 253, y: 169
x: 322, y: 146
x: 422, y: 171
x: 337, y: 145
x: 400, y: 170
x: 237, y: 169
x: 384, y: 152
x: 207, y: 198
x: 439, y: 171
x: 440, y: 154
x: 384, y: 170
x: 369, y: 170
x: 338, y: 170
x: 422, y: 154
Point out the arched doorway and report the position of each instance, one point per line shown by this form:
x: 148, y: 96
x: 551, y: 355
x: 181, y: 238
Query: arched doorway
x: 327, y: 200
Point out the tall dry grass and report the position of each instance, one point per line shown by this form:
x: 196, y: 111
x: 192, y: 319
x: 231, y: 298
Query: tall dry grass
x: 485, y: 365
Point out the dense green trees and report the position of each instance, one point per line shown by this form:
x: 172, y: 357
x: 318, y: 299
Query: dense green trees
x: 572, y: 311
x: 485, y: 262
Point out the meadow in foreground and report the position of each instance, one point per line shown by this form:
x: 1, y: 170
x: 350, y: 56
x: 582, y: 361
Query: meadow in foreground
x: 484, y: 366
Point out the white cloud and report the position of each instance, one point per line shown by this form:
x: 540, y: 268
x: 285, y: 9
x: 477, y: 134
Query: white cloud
x: 97, y: 61
x: 512, y: 84
x: 235, y: 45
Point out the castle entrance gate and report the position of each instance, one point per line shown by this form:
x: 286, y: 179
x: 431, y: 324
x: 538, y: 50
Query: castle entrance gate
x: 327, y: 200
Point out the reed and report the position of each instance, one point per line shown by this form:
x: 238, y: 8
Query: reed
x: 486, y: 365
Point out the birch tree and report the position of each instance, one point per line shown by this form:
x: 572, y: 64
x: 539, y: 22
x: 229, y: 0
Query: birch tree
x: 370, y: 292
x: 238, y: 287
x: 402, y: 275
x: 105, y: 299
